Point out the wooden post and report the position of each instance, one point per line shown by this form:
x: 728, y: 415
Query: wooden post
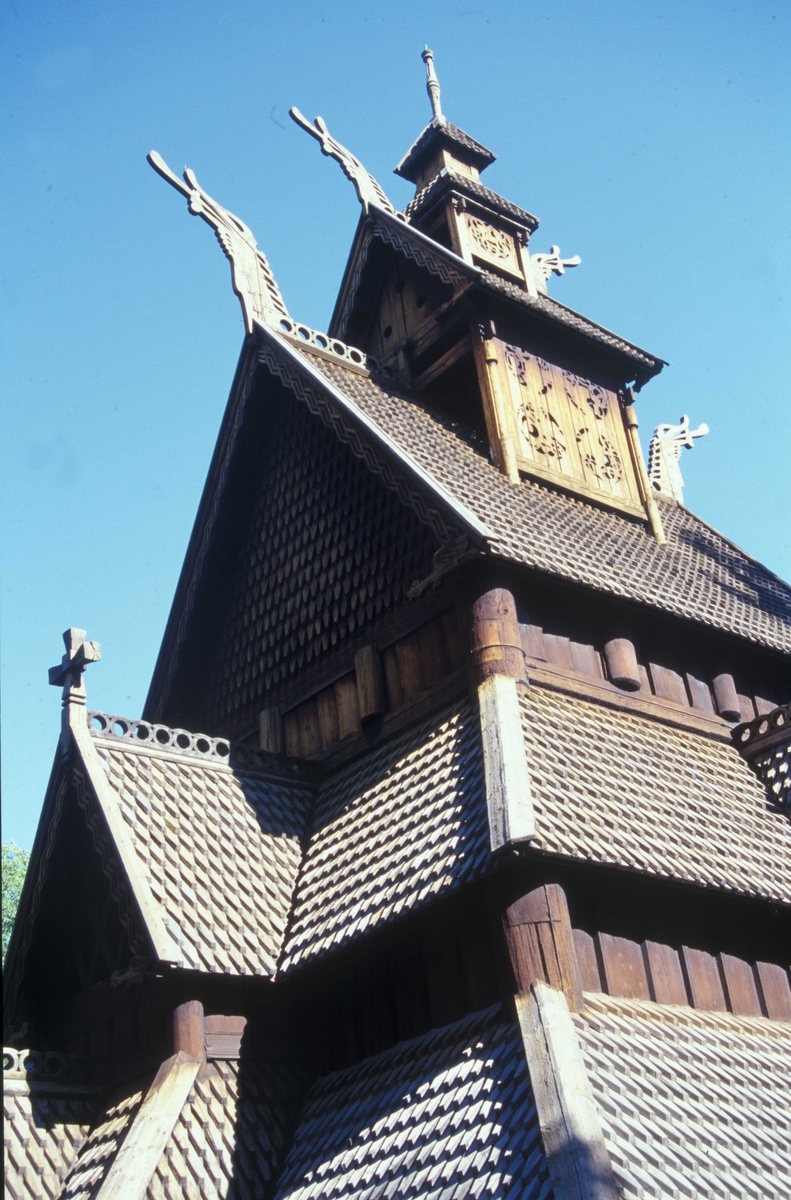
x: 638, y: 462
x: 622, y: 664
x: 496, y: 405
x: 726, y: 698
x: 188, y: 1031
x: 541, y: 943
x: 270, y: 730
x: 495, y: 638
x: 370, y: 684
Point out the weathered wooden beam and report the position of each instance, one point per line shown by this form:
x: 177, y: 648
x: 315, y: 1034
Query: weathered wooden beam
x: 541, y: 943
x: 188, y: 1031
x: 134, y: 1164
x: 726, y: 698
x: 622, y: 664
x: 576, y: 1153
x: 495, y: 638
x: 508, y: 792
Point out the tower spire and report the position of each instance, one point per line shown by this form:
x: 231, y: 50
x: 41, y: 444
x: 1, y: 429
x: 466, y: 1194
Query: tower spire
x: 432, y: 83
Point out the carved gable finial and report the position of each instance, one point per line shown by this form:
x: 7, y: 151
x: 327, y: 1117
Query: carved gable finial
x: 368, y: 190
x: 544, y: 265
x: 68, y: 674
x: 253, y: 280
x: 432, y: 83
x: 664, y: 456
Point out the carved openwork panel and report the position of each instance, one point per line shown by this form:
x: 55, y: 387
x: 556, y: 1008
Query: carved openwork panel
x: 493, y: 245
x: 569, y: 429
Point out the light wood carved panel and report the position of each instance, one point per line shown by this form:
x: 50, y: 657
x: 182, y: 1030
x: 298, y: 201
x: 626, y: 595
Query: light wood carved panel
x: 493, y: 245
x: 569, y: 430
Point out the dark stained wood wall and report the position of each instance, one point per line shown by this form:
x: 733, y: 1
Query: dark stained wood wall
x: 329, y: 550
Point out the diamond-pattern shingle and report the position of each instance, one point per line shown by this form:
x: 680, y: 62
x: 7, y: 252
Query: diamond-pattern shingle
x: 447, y: 1115
x: 230, y: 1137
x: 698, y: 574
x: 618, y: 788
x: 102, y: 1145
x: 392, y: 831
x: 221, y: 849
x: 42, y: 1135
x: 692, y: 1104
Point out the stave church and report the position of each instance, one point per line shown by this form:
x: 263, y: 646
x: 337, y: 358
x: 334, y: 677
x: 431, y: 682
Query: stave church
x: 451, y: 855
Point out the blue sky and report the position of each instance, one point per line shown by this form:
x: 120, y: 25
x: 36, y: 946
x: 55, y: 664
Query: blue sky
x: 650, y: 138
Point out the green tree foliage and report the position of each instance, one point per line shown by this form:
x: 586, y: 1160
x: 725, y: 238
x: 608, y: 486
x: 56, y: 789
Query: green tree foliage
x: 15, y: 862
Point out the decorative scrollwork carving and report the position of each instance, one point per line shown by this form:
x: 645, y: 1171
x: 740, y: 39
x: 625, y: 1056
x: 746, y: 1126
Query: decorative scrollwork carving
x: 368, y: 190
x: 664, y: 456
x: 496, y: 243
x: 253, y: 280
x: 544, y: 265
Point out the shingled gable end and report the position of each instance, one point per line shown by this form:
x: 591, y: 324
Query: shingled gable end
x: 450, y: 856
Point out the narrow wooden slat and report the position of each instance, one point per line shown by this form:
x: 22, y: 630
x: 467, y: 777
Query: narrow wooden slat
x: 665, y: 976
x: 775, y: 990
x: 270, y: 730
x: 740, y: 989
x: 508, y: 793
x: 746, y: 708
x: 328, y: 717
x: 346, y: 703
x: 587, y: 963
x: 410, y: 666
x: 668, y: 684
x: 558, y: 650
x: 454, y: 643
x: 585, y: 660
x: 370, y: 684
x: 624, y: 969
x: 291, y: 734
x: 309, y: 736
x: 705, y: 984
x: 395, y: 693
x: 533, y: 642
x: 432, y: 648
x: 700, y: 694
x: 645, y: 684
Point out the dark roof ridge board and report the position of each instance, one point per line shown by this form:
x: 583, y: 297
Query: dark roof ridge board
x: 436, y: 128
x: 448, y: 178
x: 555, y: 309
x: 375, y: 447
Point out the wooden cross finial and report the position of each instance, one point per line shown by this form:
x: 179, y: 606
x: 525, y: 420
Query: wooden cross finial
x: 432, y: 83
x: 68, y: 674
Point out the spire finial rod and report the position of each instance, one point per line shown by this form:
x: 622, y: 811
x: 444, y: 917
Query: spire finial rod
x: 432, y: 83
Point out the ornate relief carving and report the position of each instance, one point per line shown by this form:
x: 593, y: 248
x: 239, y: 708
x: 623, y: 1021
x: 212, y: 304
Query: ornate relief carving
x: 570, y: 427
x: 491, y: 243
x: 496, y: 243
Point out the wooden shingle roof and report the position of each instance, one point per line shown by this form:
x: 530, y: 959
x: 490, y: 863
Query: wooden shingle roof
x: 698, y: 574
x: 691, y: 1103
x: 612, y: 787
x: 398, y: 828
x: 450, y: 1114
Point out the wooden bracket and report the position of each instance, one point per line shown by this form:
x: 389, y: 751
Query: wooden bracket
x: 541, y: 943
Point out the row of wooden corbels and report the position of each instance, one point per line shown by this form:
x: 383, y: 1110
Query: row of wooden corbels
x: 624, y: 672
